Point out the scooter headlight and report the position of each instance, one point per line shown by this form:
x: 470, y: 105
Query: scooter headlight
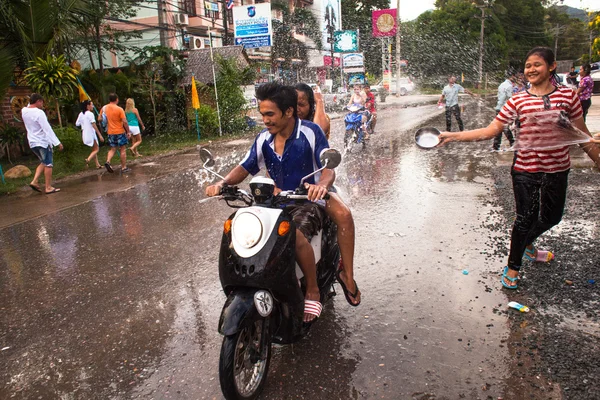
x: 246, y: 230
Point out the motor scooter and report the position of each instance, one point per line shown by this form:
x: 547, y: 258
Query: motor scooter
x: 259, y: 275
x: 357, y: 121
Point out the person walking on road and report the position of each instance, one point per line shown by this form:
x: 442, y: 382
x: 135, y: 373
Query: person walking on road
x: 539, y: 174
x: 505, y: 92
x: 450, y: 94
x: 585, y: 89
x: 41, y: 139
x: 118, y: 132
x: 90, y: 133
x: 135, y: 122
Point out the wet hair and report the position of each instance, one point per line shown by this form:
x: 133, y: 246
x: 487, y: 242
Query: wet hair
x: 84, y: 105
x: 282, y: 95
x: 35, y: 97
x: 113, y: 97
x: 548, y: 55
x: 310, y: 96
x: 587, y: 69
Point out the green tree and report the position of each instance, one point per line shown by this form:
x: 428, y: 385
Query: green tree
x: 285, y: 45
x: 357, y: 15
x: 52, y: 78
x: 447, y: 41
x: 94, y: 34
x: 232, y: 104
x: 34, y: 28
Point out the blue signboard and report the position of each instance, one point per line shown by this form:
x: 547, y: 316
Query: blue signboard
x: 252, y: 25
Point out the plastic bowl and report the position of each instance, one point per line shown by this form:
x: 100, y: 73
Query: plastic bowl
x: 427, y: 138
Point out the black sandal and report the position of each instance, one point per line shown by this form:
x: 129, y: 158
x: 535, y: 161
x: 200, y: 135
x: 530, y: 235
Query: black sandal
x: 347, y: 293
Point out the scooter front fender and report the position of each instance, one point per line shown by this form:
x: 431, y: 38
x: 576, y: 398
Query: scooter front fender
x: 238, y: 311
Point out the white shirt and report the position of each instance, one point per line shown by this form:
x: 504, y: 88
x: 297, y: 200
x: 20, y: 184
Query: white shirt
x: 88, y: 133
x: 504, y: 93
x: 39, y: 131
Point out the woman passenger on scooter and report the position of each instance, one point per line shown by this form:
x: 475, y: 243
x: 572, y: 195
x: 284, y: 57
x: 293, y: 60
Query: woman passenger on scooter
x: 312, y: 108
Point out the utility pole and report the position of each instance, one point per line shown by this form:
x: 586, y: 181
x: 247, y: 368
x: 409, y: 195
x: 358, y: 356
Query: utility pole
x: 161, y: 9
x: 331, y: 40
x: 482, y: 18
x: 398, y: 66
x: 225, y: 23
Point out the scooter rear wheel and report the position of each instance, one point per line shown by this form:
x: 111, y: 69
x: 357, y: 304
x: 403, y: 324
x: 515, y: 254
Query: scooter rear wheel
x: 244, y: 362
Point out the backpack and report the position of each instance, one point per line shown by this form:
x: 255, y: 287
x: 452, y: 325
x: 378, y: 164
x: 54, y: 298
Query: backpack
x: 104, y: 121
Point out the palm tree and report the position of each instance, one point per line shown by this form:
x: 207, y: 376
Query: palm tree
x: 35, y: 28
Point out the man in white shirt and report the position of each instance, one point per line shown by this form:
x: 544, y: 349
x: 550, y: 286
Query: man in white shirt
x: 505, y: 91
x: 41, y: 139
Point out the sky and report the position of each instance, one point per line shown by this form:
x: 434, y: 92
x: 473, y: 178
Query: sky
x: 411, y: 9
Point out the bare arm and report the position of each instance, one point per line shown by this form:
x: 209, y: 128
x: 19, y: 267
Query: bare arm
x: 235, y: 176
x: 441, y: 98
x: 318, y: 191
x: 98, y: 132
x: 320, y: 117
x: 126, y: 126
x: 474, y: 135
x: 137, y: 115
x: 590, y: 148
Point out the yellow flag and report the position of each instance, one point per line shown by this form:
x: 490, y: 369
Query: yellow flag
x: 195, y: 99
x: 82, y: 94
x: 462, y: 77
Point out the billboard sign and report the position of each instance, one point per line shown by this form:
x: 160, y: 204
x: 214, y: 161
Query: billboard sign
x: 384, y: 22
x: 345, y: 41
x: 356, y: 79
x: 330, y: 15
x: 252, y: 25
x: 353, y: 60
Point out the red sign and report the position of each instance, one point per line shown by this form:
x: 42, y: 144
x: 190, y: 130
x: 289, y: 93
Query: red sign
x: 384, y: 22
x: 327, y: 61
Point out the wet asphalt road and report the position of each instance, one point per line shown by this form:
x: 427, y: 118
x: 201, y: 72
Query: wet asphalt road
x: 116, y: 295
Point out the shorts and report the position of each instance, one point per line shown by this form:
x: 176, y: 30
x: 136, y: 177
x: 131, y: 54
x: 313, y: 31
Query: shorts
x: 117, y: 140
x: 44, y: 154
x: 308, y: 218
x: 135, y: 130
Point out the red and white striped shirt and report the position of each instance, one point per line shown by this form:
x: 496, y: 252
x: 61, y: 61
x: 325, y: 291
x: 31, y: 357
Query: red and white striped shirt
x: 522, y: 104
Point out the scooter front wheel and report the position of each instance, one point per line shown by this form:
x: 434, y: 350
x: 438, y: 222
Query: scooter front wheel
x: 244, y: 361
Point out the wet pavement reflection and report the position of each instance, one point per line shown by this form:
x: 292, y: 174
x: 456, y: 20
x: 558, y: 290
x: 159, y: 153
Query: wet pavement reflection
x: 118, y: 296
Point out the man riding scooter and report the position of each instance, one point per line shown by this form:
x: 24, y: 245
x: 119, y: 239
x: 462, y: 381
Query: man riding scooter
x: 290, y: 149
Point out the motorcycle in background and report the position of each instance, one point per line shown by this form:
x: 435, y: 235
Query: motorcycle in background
x: 357, y: 121
x: 260, y: 277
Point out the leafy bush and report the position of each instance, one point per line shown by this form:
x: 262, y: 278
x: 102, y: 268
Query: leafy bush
x: 207, y: 119
x: 71, y: 140
x: 12, y: 136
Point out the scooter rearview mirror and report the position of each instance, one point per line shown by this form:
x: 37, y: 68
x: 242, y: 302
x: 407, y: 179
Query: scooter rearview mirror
x: 331, y: 158
x: 206, y: 157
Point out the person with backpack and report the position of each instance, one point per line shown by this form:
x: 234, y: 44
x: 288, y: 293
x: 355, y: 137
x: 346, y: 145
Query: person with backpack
x: 117, y: 130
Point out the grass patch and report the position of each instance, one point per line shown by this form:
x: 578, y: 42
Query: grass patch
x: 71, y: 161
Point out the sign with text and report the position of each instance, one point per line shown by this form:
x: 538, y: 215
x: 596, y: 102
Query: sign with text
x: 384, y: 22
x: 252, y: 25
x: 353, y: 60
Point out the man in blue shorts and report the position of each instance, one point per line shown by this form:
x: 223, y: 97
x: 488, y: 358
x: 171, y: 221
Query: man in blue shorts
x: 41, y: 139
x: 118, y: 132
x: 289, y: 148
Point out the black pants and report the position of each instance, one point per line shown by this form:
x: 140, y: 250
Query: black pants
x: 586, y: 104
x: 455, y: 109
x: 540, y: 200
x: 498, y: 138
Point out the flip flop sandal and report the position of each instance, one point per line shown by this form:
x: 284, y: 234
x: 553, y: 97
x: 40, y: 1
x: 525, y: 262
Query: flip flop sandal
x: 541, y: 256
x: 347, y: 293
x: 313, y: 307
x: 55, y: 190
x: 36, y: 188
x: 512, y: 280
